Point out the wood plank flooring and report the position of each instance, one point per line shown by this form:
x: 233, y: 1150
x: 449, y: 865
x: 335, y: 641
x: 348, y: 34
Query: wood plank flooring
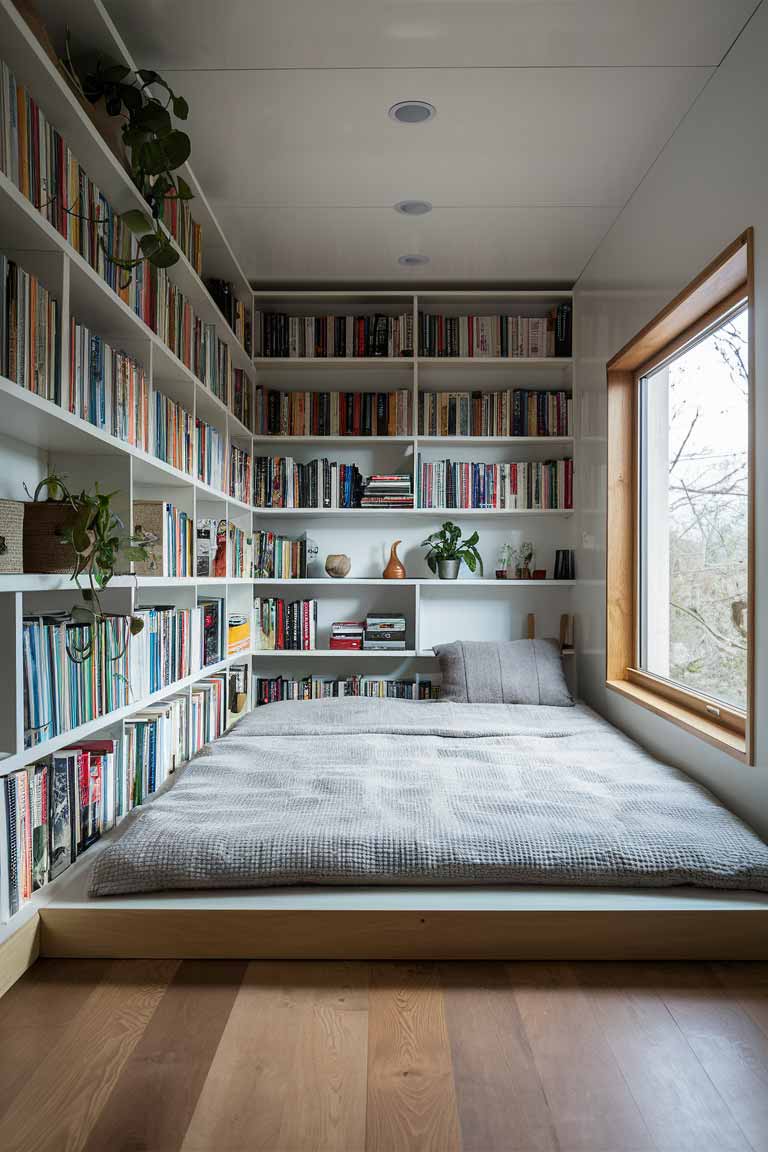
x: 237, y: 1056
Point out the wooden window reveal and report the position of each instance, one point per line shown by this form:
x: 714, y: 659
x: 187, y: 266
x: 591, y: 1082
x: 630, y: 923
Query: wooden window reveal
x: 725, y: 283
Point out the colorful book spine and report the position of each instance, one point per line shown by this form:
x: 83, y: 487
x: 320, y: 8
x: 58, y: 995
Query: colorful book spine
x: 240, y: 474
x: 209, y: 709
x: 176, y: 215
x: 30, y: 335
x: 518, y: 412
x: 241, y: 553
x: 108, y: 388
x: 282, y: 482
x: 280, y: 557
x: 268, y: 690
x: 168, y: 648
x: 210, y: 455
x: 497, y: 337
x: 285, y: 626
x: 173, y: 433
x: 169, y: 539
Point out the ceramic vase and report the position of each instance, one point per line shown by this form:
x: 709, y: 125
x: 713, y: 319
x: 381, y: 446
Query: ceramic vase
x: 395, y: 569
x: 337, y: 565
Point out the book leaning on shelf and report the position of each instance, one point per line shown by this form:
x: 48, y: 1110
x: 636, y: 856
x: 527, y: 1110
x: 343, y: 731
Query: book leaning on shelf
x: 333, y: 413
x: 518, y: 412
x: 282, y: 482
x: 30, y: 335
x: 172, y: 550
x: 497, y: 336
x: 108, y: 388
x: 531, y: 485
x: 290, y: 627
x: 279, y: 335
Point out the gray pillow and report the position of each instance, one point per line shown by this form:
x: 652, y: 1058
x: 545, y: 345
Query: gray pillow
x: 511, y: 672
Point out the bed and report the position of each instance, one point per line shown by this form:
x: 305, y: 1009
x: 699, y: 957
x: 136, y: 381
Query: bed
x: 389, y: 792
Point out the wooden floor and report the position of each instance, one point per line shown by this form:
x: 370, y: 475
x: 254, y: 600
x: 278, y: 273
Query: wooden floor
x: 229, y: 1056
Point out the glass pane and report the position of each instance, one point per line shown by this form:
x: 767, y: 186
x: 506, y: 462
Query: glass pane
x: 693, y: 516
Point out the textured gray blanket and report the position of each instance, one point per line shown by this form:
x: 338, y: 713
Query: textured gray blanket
x: 397, y: 792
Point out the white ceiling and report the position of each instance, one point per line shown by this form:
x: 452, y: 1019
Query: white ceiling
x: 548, y: 116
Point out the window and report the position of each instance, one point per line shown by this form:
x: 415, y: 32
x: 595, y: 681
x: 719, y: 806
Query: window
x: 679, y: 580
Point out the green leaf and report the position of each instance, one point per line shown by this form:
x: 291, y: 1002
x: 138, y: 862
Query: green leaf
x: 152, y: 117
x: 137, y: 221
x: 180, y: 107
x: 472, y: 540
x: 153, y: 157
x: 184, y: 191
x: 432, y: 562
x: 165, y: 257
x: 131, y: 97
x: 151, y: 244
x: 469, y: 560
x: 114, y: 73
x: 147, y: 76
x: 177, y: 149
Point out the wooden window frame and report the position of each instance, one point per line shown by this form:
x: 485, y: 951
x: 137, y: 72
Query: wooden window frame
x: 722, y: 285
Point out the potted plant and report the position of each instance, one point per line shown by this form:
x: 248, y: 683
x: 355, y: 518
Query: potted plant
x: 79, y: 533
x: 446, y: 550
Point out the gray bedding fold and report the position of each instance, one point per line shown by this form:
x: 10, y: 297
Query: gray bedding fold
x: 396, y: 792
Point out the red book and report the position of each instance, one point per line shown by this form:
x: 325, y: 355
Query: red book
x: 351, y: 643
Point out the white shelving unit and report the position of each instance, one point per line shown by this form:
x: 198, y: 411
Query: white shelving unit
x: 37, y: 436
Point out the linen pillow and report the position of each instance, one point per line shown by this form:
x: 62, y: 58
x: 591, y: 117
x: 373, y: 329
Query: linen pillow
x: 511, y: 672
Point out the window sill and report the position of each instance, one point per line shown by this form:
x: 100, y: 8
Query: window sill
x: 685, y: 718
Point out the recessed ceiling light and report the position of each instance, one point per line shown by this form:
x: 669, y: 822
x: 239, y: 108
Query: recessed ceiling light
x: 413, y: 207
x: 413, y: 259
x: 412, y: 112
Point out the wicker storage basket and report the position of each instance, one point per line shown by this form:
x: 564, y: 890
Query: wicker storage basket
x: 11, y: 536
x: 44, y: 549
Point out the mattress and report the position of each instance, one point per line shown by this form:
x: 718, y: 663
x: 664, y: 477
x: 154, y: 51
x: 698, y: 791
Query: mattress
x: 359, y: 791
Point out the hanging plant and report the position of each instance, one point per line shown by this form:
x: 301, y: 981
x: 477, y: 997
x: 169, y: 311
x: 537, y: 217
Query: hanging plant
x: 157, y: 148
x: 98, y: 541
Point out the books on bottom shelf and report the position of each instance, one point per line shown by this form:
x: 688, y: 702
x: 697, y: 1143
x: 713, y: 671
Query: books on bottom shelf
x: 268, y: 690
x: 209, y: 709
x: 285, y: 626
x: 50, y: 813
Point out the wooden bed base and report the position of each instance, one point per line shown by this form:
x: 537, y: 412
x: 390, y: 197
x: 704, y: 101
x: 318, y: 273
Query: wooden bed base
x: 386, y: 934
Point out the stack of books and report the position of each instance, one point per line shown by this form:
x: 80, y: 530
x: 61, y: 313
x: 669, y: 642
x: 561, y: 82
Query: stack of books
x: 347, y: 634
x: 518, y: 412
x: 173, y: 440
x: 279, y: 335
x: 291, y: 627
x: 282, y: 482
x: 333, y: 413
x: 384, y: 633
x: 384, y: 491
x: 30, y: 335
x: 497, y: 336
x: 543, y: 486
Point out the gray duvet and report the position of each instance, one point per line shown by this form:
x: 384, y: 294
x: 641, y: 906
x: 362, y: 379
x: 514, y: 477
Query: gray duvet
x: 358, y: 791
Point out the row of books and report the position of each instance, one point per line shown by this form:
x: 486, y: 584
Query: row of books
x: 30, y: 345
x: 173, y: 433
x: 50, y: 813
x: 176, y: 214
x: 108, y: 388
x: 242, y: 553
x: 282, y: 482
x: 280, y: 335
x: 290, y: 626
x: 282, y: 413
x: 268, y: 690
x: 37, y: 160
x: 388, y: 491
x: 529, y: 485
x: 73, y: 672
x: 376, y: 633
x: 518, y: 412
x: 210, y: 454
x: 497, y: 336
x: 234, y: 311
x: 240, y: 474
x: 280, y: 557
x: 174, y: 643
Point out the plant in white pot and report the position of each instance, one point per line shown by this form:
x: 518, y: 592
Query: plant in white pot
x: 446, y: 550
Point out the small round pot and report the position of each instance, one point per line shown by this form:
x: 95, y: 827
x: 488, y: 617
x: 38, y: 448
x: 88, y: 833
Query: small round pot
x: 448, y: 569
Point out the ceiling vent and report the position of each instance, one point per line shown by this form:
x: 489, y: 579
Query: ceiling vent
x: 413, y: 207
x: 412, y: 112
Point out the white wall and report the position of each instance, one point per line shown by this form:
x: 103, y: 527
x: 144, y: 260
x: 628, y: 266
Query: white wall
x: 708, y: 185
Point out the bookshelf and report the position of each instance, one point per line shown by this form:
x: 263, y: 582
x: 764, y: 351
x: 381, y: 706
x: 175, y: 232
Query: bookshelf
x: 38, y: 436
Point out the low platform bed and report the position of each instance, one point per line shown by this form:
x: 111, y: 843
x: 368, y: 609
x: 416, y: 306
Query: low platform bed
x: 388, y: 792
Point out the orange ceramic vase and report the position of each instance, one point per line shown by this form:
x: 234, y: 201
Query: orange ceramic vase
x: 395, y: 569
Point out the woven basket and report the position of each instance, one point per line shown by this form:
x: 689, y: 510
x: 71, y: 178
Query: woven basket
x: 44, y: 549
x: 11, y: 535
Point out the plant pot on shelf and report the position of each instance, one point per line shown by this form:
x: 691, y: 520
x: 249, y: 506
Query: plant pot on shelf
x: 11, y: 536
x: 448, y: 569
x: 45, y: 549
